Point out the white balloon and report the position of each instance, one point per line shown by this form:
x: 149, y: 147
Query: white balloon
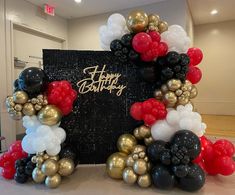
x: 116, y: 19
x: 185, y: 123
x: 54, y: 151
x: 27, y: 144
x: 38, y: 145
x: 173, y: 117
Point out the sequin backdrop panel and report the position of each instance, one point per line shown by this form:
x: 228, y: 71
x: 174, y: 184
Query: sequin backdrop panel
x: 98, y: 119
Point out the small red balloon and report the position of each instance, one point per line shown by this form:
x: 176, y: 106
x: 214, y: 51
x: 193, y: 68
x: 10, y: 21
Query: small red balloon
x: 225, y: 165
x: 141, y: 42
x: 136, y: 111
x: 8, y: 173
x: 224, y: 147
x: 162, y: 49
x: 149, y: 119
x: 194, y: 74
x: 156, y: 37
x: 195, y: 55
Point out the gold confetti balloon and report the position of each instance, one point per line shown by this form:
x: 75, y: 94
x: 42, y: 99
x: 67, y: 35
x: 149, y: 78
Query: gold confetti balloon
x: 66, y: 166
x: 38, y: 176
x: 137, y: 21
x: 144, y: 181
x: 20, y: 97
x: 129, y: 175
x: 53, y: 181
x: 49, y: 115
x: 126, y: 143
x: 50, y: 167
x: 116, y: 164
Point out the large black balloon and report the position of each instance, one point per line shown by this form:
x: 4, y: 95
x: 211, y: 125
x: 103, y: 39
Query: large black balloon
x: 155, y: 150
x: 69, y: 152
x: 162, y: 177
x: 180, y: 170
x: 32, y: 80
x: 194, y: 180
x: 188, y: 140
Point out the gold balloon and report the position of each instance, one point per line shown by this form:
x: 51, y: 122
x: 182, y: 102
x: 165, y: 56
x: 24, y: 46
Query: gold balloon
x: 158, y: 94
x: 140, y: 166
x: 162, y: 26
x: 18, y: 107
x: 20, y: 97
x: 39, y: 159
x: 129, y: 161
x: 136, y: 133
x: 154, y: 18
x: 28, y: 109
x: 49, y: 115
x: 38, y: 176
x: 144, y: 181
x: 193, y: 92
x: 164, y: 88
x: 138, y: 148
x: 46, y: 156
x: 116, y: 164
x: 152, y: 27
x: 186, y: 94
x: 178, y: 92
x: 9, y: 102
x: 137, y: 21
x: 53, y: 181
x: 16, y: 115
x: 144, y: 131
x: 129, y: 175
x: 66, y: 166
x: 182, y: 100
x: 170, y: 98
x: 50, y: 167
x: 148, y: 140
x: 56, y: 158
x: 187, y: 86
x: 34, y: 159
x: 126, y: 143
x: 174, y: 84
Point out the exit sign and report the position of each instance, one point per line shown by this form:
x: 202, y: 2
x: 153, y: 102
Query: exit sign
x: 50, y: 10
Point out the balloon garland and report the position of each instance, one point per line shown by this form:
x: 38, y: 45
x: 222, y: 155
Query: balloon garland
x: 41, y: 106
x: 170, y: 148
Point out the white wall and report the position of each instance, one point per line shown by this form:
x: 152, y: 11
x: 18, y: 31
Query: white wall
x: 83, y: 32
x: 217, y: 88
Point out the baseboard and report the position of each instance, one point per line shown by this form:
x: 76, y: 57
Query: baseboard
x: 214, y: 107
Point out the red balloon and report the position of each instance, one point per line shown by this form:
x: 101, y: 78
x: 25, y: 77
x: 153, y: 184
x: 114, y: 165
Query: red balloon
x: 136, y: 111
x: 224, y: 165
x: 146, y: 107
x: 156, y: 37
x: 224, y: 147
x: 194, y: 74
x: 15, y: 146
x: 162, y: 49
x: 149, y: 119
x: 147, y: 56
x: 8, y: 173
x: 141, y: 42
x: 195, y: 55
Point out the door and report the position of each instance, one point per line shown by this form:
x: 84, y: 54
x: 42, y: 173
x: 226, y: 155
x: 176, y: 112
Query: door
x: 27, y: 49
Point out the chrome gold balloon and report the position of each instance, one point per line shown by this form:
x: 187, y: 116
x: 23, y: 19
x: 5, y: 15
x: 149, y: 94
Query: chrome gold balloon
x: 28, y: 109
x: 154, y: 18
x: 39, y: 159
x: 129, y: 175
x: 138, y: 148
x: 50, y: 167
x: 164, y: 88
x: 140, y: 166
x: 144, y: 181
x: 136, y: 133
x: 18, y: 107
x: 116, y: 164
x: 129, y: 161
x: 174, y: 84
x: 162, y: 26
x: 49, y: 115
x: 56, y: 158
x: 126, y: 143
x: 182, y: 100
x: 170, y: 98
x: 66, y: 166
x: 144, y: 131
x: 137, y: 21
x: 193, y: 92
x: 148, y: 140
x: 53, y: 181
x: 38, y: 176
x: 20, y: 97
x: 158, y: 94
x: 178, y: 92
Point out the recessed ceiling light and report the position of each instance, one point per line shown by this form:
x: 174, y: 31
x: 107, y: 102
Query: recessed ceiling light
x: 78, y: 1
x: 214, y: 12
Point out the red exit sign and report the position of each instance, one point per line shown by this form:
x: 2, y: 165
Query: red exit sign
x: 50, y: 10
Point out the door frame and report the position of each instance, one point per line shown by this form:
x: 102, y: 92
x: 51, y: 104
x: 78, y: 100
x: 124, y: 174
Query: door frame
x: 8, y: 127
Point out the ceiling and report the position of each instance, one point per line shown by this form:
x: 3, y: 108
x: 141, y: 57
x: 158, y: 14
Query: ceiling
x: 201, y: 9
x: 70, y: 9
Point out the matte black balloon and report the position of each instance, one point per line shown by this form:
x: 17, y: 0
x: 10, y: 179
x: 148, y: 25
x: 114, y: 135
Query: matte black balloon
x: 69, y: 152
x: 32, y: 80
x: 180, y: 170
x: 189, y: 140
x: 116, y: 45
x: 194, y: 180
x: 184, y: 59
x: 19, y: 163
x: 21, y: 178
x: 162, y: 177
x: 172, y: 57
x: 155, y: 150
x: 127, y: 40
x: 148, y: 73
x: 29, y: 168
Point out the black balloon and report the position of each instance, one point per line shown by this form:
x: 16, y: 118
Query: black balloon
x: 29, y: 168
x: 194, y: 180
x: 69, y: 152
x: 155, y: 150
x: 127, y: 40
x: 20, y: 178
x: 172, y: 57
x: 187, y: 141
x: 180, y: 170
x: 32, y: 80
x: 162, y: 177
x: 165, y: 157
x: 184, y: 59
x: 116, y: 45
